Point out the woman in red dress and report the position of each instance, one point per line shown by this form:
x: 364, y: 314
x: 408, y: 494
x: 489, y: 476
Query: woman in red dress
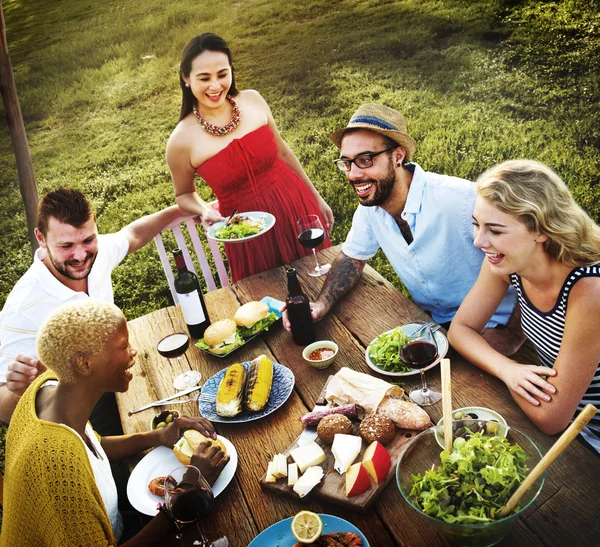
x: 230, y: 139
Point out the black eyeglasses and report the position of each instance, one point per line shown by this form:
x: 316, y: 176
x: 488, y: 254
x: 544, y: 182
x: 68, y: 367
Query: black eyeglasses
x: 362, y: 161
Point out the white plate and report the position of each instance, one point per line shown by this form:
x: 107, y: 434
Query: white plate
x: 160, y: 462
x: 268, y: 218
x: 440, y: 340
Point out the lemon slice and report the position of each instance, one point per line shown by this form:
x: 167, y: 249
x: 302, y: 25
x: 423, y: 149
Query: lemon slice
x: 307, y: 527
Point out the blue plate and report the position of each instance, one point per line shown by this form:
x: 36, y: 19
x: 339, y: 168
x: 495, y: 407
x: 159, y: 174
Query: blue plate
x: 280, y: 534
x: 283, y: 384
x: 274, y: 306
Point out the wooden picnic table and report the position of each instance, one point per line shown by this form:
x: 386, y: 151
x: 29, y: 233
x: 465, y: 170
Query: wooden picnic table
x: 564, y: 512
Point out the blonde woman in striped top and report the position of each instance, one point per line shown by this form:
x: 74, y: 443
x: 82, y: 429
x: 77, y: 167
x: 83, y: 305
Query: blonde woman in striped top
x: 539, y: 240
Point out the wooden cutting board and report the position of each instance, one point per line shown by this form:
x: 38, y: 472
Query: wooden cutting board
x: 333, y: 485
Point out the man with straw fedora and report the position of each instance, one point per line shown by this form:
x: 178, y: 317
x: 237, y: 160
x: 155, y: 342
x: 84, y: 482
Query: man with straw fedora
x: 422, y: 221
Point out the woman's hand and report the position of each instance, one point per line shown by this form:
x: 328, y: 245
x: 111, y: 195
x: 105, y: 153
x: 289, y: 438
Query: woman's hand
x: 210, y: 460
x: 209, y: 217
x: 170, y: 434
x: 326, y: 213
x: 528, y: 382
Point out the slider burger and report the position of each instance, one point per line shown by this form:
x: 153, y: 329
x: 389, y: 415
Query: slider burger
x: 221, y: 337
x: 186, y: 446
x: 252, y: 318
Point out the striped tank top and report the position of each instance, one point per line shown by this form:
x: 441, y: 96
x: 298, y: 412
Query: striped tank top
x: 546, y: 329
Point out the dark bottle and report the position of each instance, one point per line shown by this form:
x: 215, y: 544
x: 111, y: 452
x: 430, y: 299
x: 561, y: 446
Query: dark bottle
x: 298, y: 308
x: 190, y: 298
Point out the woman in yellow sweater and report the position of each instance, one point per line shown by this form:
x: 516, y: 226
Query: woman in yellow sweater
x: 58, y: 489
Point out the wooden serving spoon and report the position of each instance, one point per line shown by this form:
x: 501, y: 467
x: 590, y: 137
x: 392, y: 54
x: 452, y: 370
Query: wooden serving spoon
x: 563, y: 441
x: 447, y: 404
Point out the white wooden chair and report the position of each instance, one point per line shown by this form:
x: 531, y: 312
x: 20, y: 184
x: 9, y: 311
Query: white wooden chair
x: 175, y: 226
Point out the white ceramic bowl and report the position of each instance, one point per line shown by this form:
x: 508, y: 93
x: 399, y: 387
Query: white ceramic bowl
x: 324, y: 363
x: 481, y: 413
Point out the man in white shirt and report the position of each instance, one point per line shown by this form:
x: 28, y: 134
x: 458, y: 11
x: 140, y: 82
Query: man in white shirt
x: 72, y: 263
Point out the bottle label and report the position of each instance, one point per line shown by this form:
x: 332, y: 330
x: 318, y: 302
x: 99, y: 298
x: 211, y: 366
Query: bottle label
x: 191, y: 307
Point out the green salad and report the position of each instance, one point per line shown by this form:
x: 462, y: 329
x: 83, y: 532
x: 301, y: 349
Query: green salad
x: 385, y: 350
x: 239, y: 227
x: 473, y: 482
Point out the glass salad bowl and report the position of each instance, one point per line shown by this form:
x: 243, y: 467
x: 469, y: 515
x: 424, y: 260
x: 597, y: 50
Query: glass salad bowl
x: 482, y: 464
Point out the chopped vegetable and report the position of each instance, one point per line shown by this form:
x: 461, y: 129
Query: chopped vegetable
x: 473, y: 482
x: 385, y: 350
x: 239, y: 227
x: 314, y: 417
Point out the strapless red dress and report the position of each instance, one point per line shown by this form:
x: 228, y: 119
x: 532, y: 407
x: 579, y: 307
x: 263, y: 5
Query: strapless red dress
x: 248, y: 175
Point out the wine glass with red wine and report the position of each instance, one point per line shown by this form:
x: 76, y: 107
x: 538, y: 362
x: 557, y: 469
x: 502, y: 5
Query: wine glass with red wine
x: 188, y: 496
x: 420, y: 352
x: 173, y: 346
x: 311, y: 234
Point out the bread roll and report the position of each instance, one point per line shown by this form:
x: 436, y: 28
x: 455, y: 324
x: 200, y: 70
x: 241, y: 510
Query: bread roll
x: 404, y: 414
x: 250, y: 313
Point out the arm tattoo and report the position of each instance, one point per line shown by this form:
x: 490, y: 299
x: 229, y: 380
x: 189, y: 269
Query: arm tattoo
x: 344, y: 274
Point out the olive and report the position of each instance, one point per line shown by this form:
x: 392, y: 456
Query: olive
x: 491, y: 428
x: 460, y: 432
x: 160, y: 425
x: 169, y: 418
x: 458, y: 442
x: 475, y: 427
x: 472, y: 415
x: 459, y: 415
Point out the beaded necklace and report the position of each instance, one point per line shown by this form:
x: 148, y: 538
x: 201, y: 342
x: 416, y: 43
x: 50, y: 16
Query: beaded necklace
x: 219, y: 131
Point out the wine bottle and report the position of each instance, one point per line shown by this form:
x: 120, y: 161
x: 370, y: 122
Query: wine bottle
x: 298, y: 308
x: 190, y: 298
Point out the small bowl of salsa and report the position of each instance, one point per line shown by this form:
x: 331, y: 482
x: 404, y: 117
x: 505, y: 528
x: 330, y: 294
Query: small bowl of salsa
x: 320, y: 354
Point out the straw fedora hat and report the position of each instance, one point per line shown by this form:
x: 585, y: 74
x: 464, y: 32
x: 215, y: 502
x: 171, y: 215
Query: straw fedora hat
x: 381, y: 119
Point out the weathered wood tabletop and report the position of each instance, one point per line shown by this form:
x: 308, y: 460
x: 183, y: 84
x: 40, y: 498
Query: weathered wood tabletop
x: 564, y: 513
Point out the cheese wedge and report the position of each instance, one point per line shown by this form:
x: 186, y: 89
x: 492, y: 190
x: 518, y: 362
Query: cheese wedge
x: 309, y: 480
x: 292, y: 475
x: 270, y: 477
x: 309, y: 455
x: 345, y: 448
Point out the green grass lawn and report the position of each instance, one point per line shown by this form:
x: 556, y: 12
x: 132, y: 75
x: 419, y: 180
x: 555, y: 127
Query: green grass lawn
x: 479, y: 82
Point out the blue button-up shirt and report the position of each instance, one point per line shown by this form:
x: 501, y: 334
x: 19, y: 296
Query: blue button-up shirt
x: 441, y: 264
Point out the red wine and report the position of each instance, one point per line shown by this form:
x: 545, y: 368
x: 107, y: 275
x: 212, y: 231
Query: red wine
x: 190, y: 298
x: 298, y: 308
x: 189, y: 502
x: 173, y: 345
x: 419, y: 354
x: 312, y: 238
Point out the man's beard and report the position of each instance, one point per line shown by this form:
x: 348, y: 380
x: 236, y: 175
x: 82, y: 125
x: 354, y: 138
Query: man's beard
x: 62, y: 267
x: 383, y: 189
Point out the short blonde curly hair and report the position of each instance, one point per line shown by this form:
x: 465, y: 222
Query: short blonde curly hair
x: 77, y: 328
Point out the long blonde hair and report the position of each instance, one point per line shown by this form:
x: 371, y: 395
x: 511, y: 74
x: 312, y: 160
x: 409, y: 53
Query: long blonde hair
x: 538, y: 197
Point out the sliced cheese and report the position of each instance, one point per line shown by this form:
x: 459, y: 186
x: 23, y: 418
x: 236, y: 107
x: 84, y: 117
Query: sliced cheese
x: 280, y: 466
x: 270, y: 477
x: 345, y: 448
x: 309, y: 480
x: 292, y: 475
x: 309, y: 455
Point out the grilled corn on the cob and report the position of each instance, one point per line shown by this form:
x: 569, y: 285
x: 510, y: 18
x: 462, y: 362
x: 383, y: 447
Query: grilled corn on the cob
x: 258, y: 384
x: 231, y: 391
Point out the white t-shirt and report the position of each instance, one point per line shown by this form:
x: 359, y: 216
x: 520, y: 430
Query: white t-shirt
x: 38, y: 293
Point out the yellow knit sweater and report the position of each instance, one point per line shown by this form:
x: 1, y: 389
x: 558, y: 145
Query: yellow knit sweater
x: 50, y: 494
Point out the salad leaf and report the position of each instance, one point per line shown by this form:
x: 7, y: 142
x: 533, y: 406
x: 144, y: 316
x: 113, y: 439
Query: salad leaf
x: 385, y: 350
x: 263, y: 324
x: 239, y: 228
x: 473, y: 482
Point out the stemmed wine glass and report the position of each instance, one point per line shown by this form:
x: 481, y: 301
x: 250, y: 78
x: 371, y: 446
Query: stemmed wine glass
x: 420, y: 352
x: 173, y: 346
x: 311, y: 234
x: 188, y: 496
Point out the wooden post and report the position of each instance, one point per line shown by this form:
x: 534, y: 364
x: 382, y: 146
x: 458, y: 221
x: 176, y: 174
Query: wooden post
x: 18, y: 135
